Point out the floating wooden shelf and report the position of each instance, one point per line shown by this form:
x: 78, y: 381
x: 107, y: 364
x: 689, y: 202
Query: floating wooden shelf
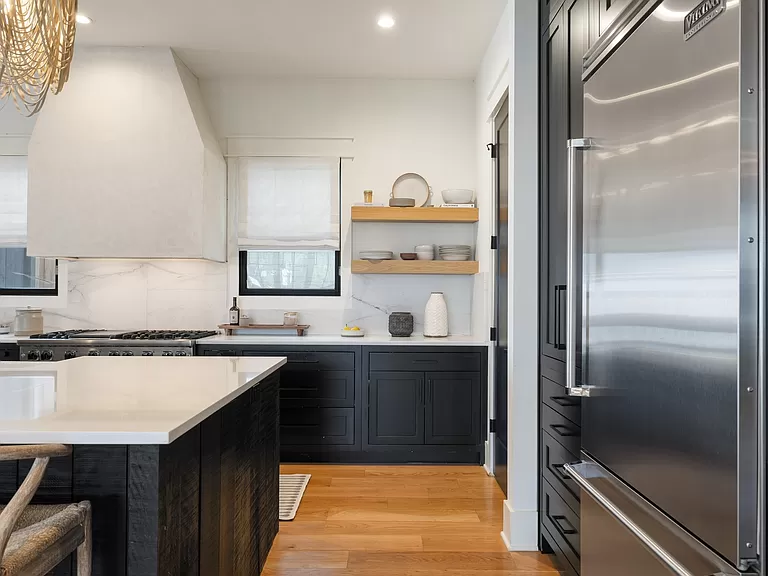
x: 414, y: 267
x: 427, y: 214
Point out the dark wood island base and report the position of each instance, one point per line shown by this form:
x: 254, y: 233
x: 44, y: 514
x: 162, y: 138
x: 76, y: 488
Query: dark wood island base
x: 206, y: 504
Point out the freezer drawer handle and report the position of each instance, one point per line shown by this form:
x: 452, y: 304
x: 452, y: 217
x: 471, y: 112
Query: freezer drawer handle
x: 572, y: 291
x: 616, y: 512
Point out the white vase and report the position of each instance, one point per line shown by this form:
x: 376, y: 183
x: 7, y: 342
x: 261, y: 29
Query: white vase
x: 436, y: 316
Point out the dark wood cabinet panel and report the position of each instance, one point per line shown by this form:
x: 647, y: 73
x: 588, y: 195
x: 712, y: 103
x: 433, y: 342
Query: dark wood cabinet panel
x: 557, y: 398
x: 561, y: 522
x: 301, y: 360
x: 9, y: 352
x: 451, y: 409
x: 450, y: 361
x: 317, y: 427
x: 553, y: 458
x: 396, y: 408
x: 561, y: 429
x: 321, y: 388
x: 552, y: 183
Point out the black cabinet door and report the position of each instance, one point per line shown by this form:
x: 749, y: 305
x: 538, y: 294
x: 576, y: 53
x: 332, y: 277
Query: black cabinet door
x: 396, y: 408
x: 563, y: 47
x: 553, y: 202
x: 318, y: 388
x: 451, y: 410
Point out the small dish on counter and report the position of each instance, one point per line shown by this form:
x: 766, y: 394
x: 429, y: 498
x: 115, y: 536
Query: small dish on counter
x: 352, y: 332
x: 408, y: 255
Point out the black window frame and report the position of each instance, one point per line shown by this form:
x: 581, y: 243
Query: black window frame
x: 246, y: 291
x: 34, y: 291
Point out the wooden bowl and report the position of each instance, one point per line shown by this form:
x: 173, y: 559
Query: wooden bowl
x: 408, y: 255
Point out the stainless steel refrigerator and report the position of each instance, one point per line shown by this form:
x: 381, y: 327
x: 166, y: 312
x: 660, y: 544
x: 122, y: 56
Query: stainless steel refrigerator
x: 666, y: 336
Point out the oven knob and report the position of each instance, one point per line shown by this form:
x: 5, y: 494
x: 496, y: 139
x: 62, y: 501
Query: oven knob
x: 69, y: 354
x: 114, y: 353
x: 93, y: 352
x: 167, y: 353
x: 46, y: 355
x: 181, y: 353
x: 147, y: 353
x: 33, y: 355
x: 128, y: 353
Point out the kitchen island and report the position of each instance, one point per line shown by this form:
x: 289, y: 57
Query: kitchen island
x: 178, y: 456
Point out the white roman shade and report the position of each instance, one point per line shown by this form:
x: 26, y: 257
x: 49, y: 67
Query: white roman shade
x: 288, y: 203
x: 13, y: 201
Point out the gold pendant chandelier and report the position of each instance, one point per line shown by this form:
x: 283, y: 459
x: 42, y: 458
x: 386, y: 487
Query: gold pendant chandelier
x: 37, y: 40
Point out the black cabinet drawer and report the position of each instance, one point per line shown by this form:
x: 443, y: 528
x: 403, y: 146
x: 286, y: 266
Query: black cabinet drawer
x: 557, y: 398
x: 317, y: 426
x: 310, y: 360
x: 218, y: 352
x: 326, y: 388
x: 562, y: 523
x: 561, y: 429
x: 424, y: 361
x: 558, y: 545
x: 553, y: 457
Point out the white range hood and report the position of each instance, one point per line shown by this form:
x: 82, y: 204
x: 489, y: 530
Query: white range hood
x: 124, y: 163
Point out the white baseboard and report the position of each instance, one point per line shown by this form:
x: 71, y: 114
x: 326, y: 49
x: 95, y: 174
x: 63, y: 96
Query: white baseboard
x: 521, y: 529
x: 487, y: 464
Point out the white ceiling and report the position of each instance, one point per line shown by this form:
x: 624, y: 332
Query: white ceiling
x: 318, y: 38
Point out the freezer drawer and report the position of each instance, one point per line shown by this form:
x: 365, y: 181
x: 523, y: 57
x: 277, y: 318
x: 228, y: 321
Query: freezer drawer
x: 622, y: 533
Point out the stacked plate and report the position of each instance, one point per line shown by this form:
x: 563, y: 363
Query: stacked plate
x: 376, y: 255
x: 455, y: 252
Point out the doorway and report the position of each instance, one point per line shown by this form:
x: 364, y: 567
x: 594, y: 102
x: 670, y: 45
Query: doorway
x: 500, y: 351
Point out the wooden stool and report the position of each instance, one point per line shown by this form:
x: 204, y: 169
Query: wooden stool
x: 35, y: 539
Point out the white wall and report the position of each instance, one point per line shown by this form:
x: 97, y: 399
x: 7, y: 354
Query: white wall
x: 396, y: 126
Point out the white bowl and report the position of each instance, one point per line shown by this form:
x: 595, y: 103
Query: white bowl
x: 425, y: 256
x: 458, y: 196
x: 424, y: 248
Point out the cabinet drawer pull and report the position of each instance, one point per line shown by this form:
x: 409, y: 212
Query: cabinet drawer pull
x: 558, y: 470
x: 568, y: 530
x: 566, y: 430
x: 424, y: 361
x: 565, y: 401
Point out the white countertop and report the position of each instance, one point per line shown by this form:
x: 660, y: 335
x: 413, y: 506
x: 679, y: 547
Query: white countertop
x: 108, y: 400
x: 330, y: 339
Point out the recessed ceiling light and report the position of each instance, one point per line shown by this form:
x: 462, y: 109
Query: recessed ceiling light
x: 386, y: 21
x: 83, y: 19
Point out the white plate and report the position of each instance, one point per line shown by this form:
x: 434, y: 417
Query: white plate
x: 455, y: 258
x: 411, y: 185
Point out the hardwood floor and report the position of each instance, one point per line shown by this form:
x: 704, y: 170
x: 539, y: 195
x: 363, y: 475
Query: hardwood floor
x: 398, y: 521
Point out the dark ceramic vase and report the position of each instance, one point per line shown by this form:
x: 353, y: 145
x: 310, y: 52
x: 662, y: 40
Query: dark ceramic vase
x: 401, y: 324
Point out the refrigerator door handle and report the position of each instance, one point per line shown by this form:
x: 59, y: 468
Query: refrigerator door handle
x: 571, y: 322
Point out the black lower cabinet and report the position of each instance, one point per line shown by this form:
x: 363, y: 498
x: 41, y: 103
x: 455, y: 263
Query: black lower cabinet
x: 396, y: 408
x: 452, y: 414
x: 378, y: 404
x: 9, y: 352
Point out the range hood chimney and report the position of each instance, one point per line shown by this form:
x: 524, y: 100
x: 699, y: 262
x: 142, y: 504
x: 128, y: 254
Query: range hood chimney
x: 124, y: 163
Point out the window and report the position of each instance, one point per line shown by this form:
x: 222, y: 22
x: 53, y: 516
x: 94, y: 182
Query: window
x: 288, y: 226
x: 20, y: 274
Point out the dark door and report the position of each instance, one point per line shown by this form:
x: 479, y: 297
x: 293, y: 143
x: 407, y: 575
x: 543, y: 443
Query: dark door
x: 501, y: 124
x: 553, y: 199
x: 396, y: 408
x: 451, y: 410
x: 606, y: 12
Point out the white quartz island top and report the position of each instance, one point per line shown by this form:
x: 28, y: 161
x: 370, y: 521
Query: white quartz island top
x: 334, y: 340
x: 116, y: 400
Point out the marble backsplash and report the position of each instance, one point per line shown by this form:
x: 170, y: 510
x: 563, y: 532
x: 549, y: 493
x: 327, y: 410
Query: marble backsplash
x: 163, y: 294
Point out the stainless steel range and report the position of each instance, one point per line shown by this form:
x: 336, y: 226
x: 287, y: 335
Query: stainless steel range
x: 68, y: 344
